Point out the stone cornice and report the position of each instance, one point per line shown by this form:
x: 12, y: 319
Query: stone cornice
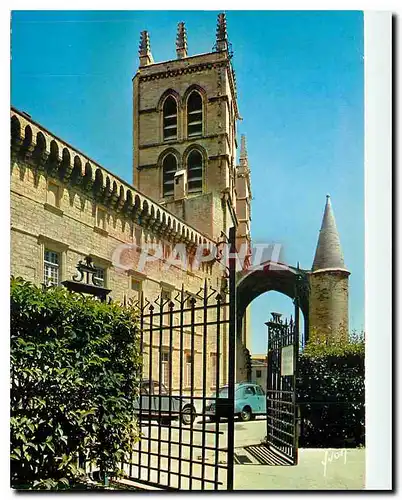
x: 38, y: 148
x: 172, y: 73
x: 221, y: 156
x: 191, y: 141
x: 332, y: 270
x: 150, y: 165
x: 147, y: 110
x: 218, y: 98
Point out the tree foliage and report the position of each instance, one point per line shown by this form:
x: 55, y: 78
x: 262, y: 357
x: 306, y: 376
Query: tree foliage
x: 75, y: 369
x: 331, y: 394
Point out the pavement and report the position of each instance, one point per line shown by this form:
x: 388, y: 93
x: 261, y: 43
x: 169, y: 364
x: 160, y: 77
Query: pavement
x: 317, y: 469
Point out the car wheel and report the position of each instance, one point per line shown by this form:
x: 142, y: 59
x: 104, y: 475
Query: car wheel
x: 188, y: 415
x: 245, y: 414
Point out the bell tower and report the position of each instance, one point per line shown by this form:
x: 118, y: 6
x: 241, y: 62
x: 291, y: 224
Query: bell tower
x: 184, y: 136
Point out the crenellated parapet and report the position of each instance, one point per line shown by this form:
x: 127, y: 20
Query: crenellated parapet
x: 47, y: 154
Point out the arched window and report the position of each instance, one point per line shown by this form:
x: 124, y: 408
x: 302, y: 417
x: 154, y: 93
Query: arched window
x: 169, y: 169
x: 194, y: 114
x: 170, y: 118
x: 194, y: 172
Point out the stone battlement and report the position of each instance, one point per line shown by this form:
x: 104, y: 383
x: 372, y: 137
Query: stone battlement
x: 35, y: 145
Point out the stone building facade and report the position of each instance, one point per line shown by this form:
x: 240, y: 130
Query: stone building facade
x: 188, y: 188
x: 65, y: 206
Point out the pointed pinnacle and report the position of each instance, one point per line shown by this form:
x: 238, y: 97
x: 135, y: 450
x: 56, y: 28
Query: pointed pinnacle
x: 145, y: 49
x: 181, y: 41
x: 145, y: 45
x: 243, y: 148
x: 221, y: 32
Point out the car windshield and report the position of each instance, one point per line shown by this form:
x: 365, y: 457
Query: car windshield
x: 223, y: 393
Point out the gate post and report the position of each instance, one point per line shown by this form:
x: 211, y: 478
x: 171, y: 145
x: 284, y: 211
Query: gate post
x: 295, y: 358
x: 232, y: 353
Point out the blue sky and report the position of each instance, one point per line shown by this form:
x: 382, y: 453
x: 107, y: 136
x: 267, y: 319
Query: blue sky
x: 300, y: 83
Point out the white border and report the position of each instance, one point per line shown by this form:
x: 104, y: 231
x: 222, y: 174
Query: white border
x: 378, y: 258
x: 377, y: 211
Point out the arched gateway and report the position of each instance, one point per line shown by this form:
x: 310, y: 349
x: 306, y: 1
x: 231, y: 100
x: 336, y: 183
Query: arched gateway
x: 253, y: 282
x: 273, y: 276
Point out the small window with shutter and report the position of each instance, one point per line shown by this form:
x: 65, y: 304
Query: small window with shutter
x: 194, y: 114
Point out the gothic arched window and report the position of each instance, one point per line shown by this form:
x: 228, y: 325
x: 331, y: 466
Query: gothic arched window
x: 169, y: 169
x: 170, y: 118
x: 194, y: 172
x: 194, y: 114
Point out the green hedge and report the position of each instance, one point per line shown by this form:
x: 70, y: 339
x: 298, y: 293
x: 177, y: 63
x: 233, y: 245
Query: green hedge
x: 75, y: 369
x: 331, y: 395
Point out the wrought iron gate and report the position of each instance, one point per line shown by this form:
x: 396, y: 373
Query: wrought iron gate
x: 188, y: 346
x: 283, y: 348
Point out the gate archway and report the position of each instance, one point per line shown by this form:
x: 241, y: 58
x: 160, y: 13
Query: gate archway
x: 272, y: 276
x: 280, y: 446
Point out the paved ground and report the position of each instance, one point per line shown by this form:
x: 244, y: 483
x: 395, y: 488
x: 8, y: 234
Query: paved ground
x: 317, y: 468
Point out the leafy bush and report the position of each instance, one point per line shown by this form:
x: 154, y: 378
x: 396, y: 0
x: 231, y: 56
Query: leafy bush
x: 331, y: 395
x: 75, y: 368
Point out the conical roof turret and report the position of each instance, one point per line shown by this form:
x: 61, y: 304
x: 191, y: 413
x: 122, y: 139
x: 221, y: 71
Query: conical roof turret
x: 328, y: 255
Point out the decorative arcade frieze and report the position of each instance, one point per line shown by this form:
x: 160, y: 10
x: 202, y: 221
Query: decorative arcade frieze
x: 35, y: 146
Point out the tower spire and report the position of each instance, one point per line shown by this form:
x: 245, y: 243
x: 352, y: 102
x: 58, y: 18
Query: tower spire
x: 181, y: 41
x: 328, y: 254
x: 243, y: 151
x: 221, y: 33
x: 145, y: 49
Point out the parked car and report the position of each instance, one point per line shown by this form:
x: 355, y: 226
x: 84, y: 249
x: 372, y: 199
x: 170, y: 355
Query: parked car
x: 158, y: 405
x: 250, y: 400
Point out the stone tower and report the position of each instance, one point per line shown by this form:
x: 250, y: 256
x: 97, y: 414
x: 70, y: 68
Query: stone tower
x: 329, y: 285
x: 185, y: 113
